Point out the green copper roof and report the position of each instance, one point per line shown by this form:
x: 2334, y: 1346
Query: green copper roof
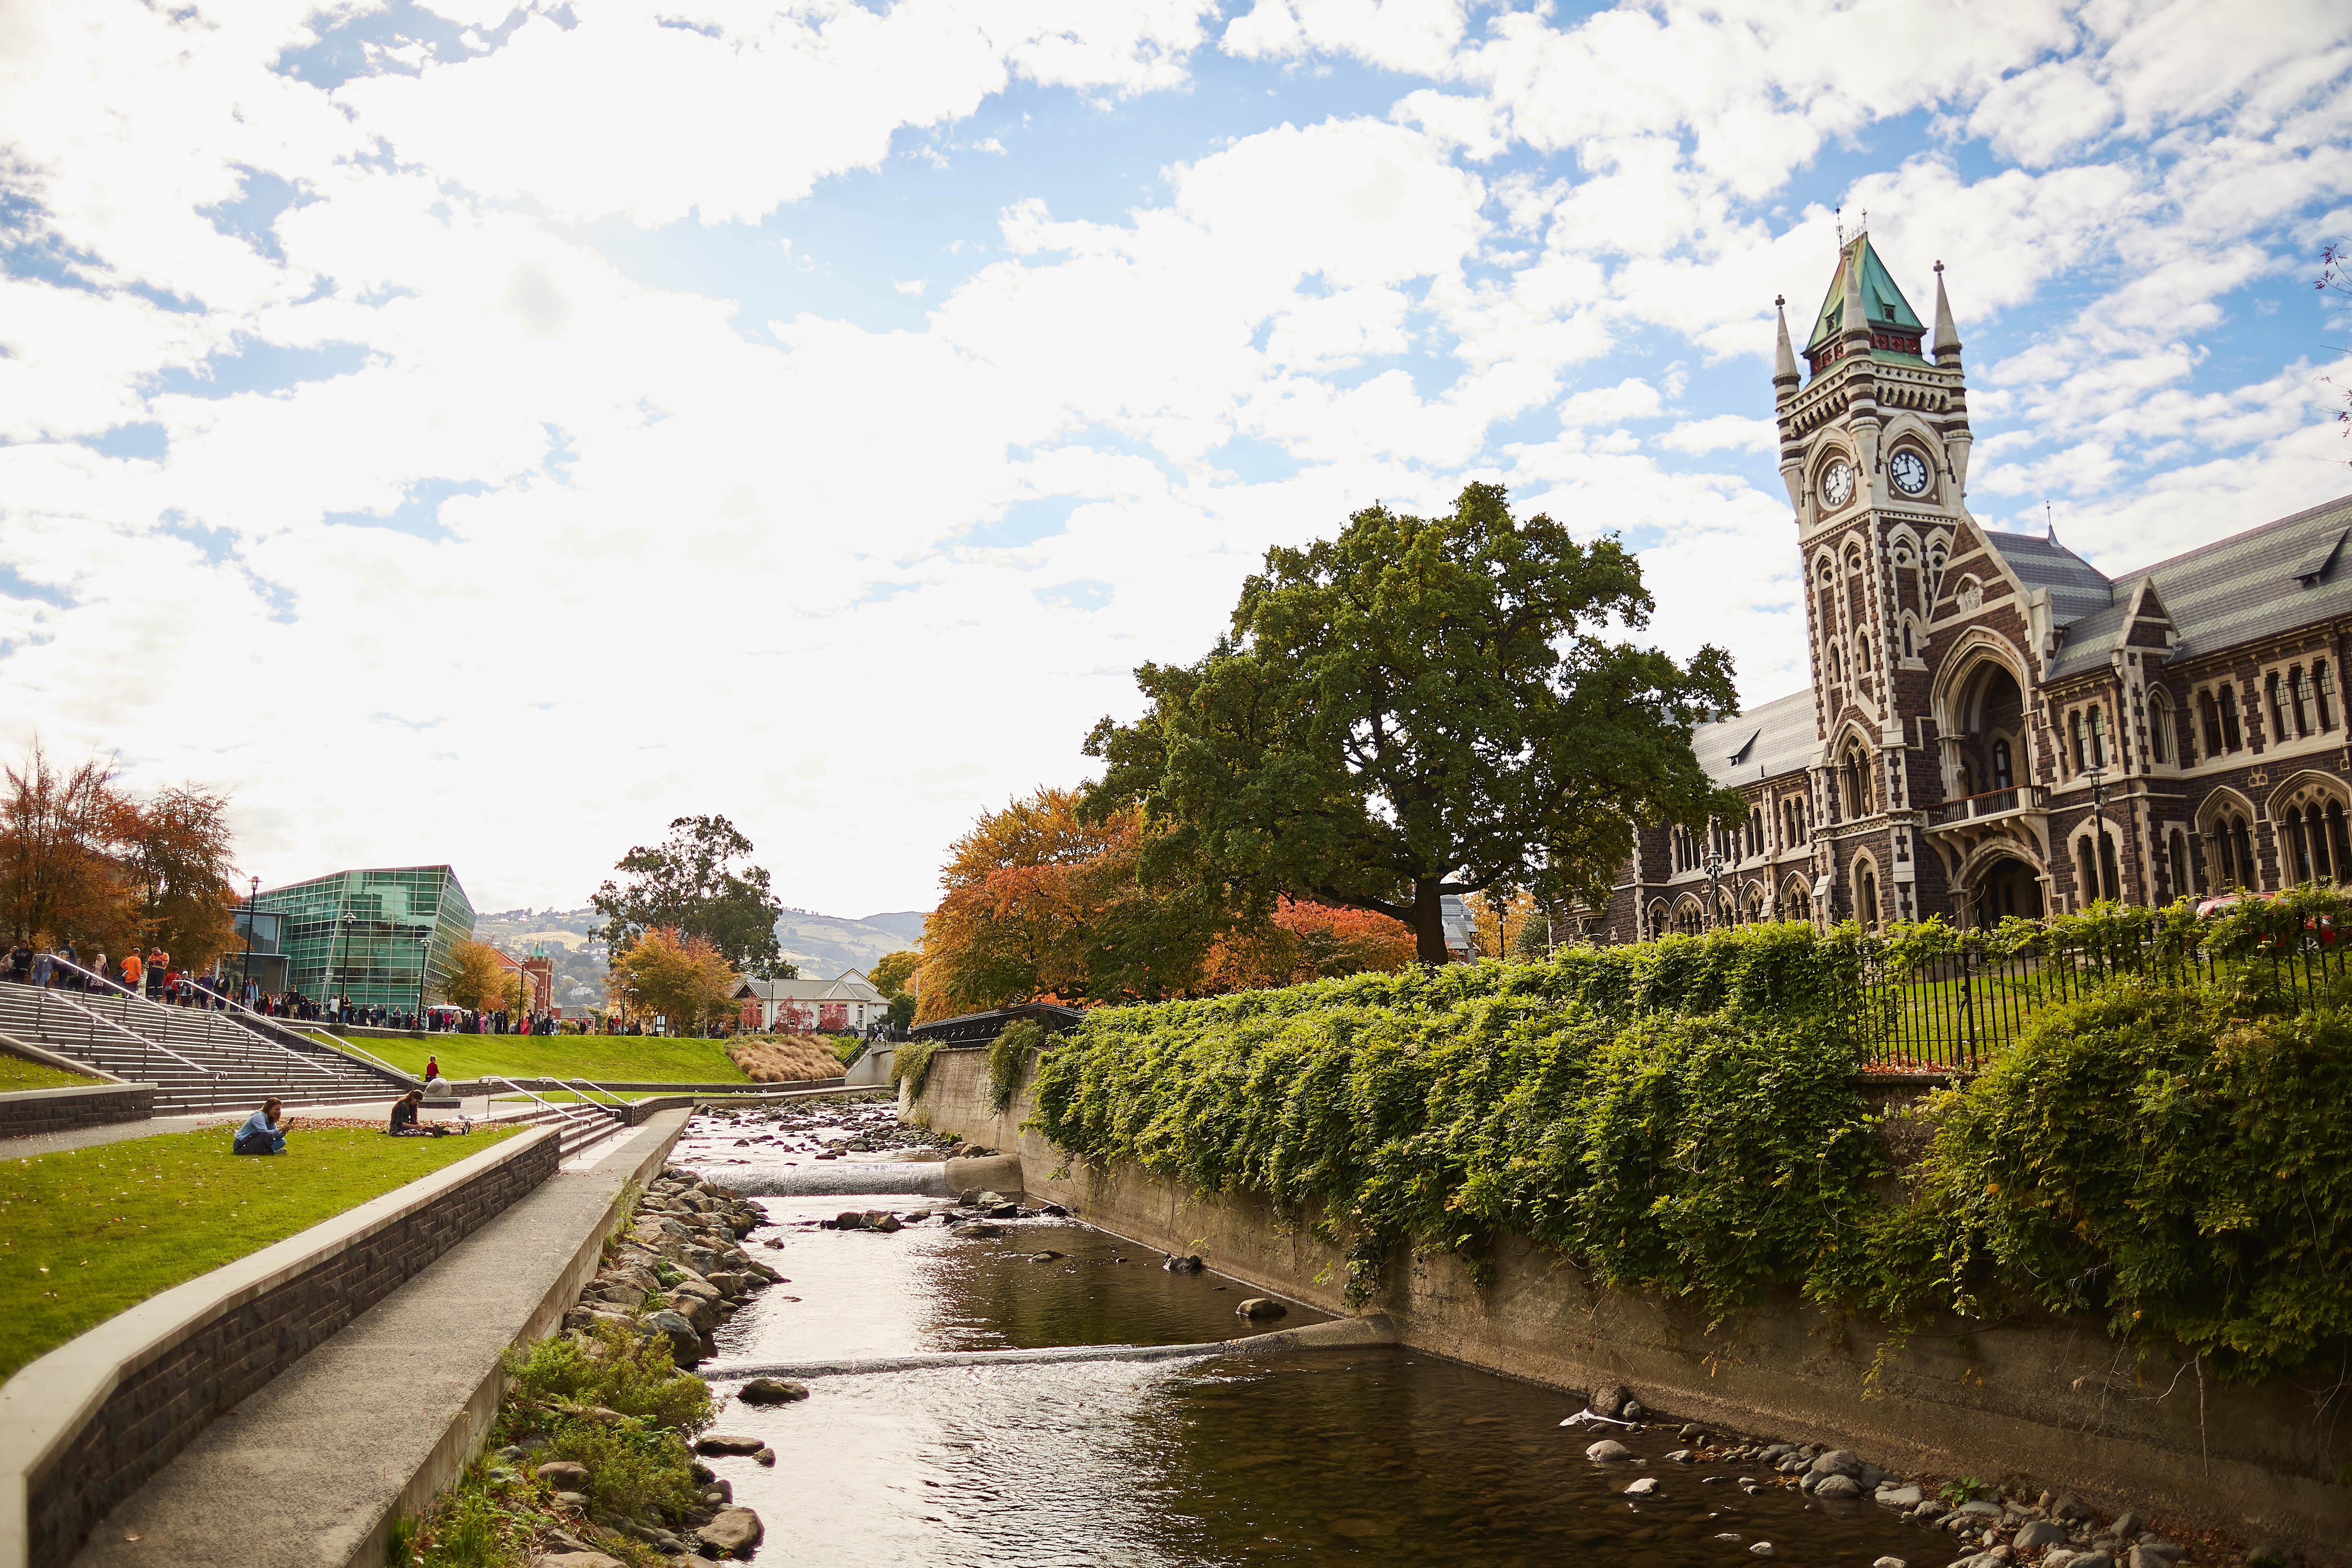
x: 1881, y: 302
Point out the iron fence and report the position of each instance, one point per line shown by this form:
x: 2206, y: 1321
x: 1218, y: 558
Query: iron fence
x: 1957, y: 1010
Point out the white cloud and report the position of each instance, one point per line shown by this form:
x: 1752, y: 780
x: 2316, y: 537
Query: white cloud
x: 649, y: 520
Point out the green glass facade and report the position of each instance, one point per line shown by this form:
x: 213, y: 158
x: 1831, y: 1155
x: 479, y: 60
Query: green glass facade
x: 369, y: 934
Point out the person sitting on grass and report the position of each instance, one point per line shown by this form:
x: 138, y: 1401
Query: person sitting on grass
x: 405, y: 1123
x: 262, y: 1133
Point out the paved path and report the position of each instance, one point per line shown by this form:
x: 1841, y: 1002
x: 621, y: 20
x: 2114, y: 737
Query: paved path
x: 306, y: 1473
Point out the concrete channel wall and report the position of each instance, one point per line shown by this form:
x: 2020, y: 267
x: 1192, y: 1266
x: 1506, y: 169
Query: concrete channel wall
x: 2054, y: 1401
x: 85, y: 1425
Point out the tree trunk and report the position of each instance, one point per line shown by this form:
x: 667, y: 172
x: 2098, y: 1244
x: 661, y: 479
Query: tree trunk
x: 1428, y: 923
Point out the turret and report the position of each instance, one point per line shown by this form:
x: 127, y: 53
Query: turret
x: 1947, y: 348
x: 1784, y: 392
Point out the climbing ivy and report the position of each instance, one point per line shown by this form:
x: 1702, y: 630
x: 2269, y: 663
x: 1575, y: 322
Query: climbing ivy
x: 1684, y: 1117
x: 1008, y: 1059
x: 1679, y: 1115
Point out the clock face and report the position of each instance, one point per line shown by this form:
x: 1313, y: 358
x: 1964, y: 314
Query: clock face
x: 1909, y: 472
x: 1837, y: 484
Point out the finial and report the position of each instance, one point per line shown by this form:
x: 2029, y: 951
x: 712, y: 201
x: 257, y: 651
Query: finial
x: 2049, y: 523
x: 1864, y: 227
x: 1940, y: 266
x: 1839, y: 213
x: 1780, y: 302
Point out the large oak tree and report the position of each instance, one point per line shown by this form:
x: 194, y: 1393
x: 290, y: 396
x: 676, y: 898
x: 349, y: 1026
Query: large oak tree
x: 691, y: 881
x: 1418, y: 707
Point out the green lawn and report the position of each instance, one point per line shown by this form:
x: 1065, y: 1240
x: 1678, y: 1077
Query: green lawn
x: 88, y: 1233
x: 20, y: 1073
x: 625, y: 1059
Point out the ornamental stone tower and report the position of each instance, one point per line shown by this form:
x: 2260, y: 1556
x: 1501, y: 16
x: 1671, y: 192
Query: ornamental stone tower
x: 1875, y: 450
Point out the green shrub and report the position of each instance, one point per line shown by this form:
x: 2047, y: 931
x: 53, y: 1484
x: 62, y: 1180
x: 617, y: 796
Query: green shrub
x: 1008, y: 1060
x: 616, y: 1369
x: 633, y: 1466
x: 2148, y: 1154
x: 911, y: 1064
x: 1704, y: 1156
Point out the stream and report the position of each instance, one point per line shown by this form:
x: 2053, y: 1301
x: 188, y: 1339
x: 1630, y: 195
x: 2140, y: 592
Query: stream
x: 1369, y: 1455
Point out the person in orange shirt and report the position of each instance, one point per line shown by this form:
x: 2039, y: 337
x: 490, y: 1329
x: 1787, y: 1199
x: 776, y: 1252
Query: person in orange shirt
x: 131, y: 971
x: 159, y: 963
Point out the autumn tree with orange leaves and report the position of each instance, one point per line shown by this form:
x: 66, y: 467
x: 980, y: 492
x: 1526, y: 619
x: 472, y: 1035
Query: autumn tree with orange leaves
x: 82, y: 861
x: 1042, y: 905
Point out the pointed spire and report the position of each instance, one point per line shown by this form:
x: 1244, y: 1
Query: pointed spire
x: 1947, y: 337
x: 1784, y: 359
x: 1857, y: 319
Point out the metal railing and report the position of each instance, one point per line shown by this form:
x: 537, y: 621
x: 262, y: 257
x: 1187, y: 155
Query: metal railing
x: 564, y: 1115
x: 328, y: 1041
x: 587, y: 1091
x: 209, y: 1023
x: 71, y: 1015
x: 1957, y: 1010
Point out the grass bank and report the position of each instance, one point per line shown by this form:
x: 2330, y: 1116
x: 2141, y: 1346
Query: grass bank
x: 88, y: 1233
x: 620, y: 1058
x: 17, y: 1072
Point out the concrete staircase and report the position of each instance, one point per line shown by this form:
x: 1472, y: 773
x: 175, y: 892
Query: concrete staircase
x: 583, y: 1125
x: 198, y: 1058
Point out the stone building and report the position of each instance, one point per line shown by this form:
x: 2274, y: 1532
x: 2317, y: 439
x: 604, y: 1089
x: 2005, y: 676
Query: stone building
x: 1994, y: 727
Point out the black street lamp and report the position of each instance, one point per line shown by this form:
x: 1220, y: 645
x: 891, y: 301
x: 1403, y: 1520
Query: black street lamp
x: 244, y: 979
x: 2099, y: 843
x: 346, y: 920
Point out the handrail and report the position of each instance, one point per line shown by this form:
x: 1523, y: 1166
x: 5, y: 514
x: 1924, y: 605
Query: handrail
x: 582, y: 1087
x: 210, y: 1037
x: 336, y: 1042
x: 567, y: 1116
x: 44, y: 998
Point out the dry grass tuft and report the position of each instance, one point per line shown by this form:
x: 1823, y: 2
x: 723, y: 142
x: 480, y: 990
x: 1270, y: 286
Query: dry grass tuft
x: 787, y: 1059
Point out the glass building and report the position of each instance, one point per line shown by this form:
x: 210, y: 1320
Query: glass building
x: 384, y: 937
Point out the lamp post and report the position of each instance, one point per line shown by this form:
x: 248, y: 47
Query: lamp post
x: 346, y: 920
x: 1713, y: 867
x: 244, y: 975
x: 2099, y: 843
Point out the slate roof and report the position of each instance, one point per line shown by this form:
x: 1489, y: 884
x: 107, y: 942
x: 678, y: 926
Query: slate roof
x: 2078, y: 588
x: 849, y: 986
x: 2281, y: 575
x: 1764, y: 742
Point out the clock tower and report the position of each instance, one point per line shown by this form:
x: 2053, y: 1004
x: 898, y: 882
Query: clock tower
x: 1875, y: 451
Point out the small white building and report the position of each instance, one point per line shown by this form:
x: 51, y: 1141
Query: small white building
x: 848, y: 1003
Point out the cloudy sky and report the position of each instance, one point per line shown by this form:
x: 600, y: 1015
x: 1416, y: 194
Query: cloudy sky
x: 481, y: 435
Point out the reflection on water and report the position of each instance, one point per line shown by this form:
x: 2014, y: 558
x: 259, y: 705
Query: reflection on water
x: 1372, y: 1456
x: 1359, y: 1456
x: 862, y: 1293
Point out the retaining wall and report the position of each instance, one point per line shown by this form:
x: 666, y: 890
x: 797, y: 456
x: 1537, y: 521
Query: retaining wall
x: 25, y: 1111
x: 2054, y: 1401
x: 82, y: 1427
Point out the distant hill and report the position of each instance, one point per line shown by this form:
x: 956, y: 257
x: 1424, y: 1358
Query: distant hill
x: 908, y: 924
x: 825, y: 944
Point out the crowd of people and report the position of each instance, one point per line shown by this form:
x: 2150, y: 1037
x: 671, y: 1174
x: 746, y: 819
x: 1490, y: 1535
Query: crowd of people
x: 153, y: 975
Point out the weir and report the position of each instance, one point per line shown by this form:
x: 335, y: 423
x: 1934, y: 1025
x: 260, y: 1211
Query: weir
x: 2056, y: 1400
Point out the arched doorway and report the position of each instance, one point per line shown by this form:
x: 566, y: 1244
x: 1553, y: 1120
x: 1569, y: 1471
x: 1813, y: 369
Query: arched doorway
x: 2008, y: 886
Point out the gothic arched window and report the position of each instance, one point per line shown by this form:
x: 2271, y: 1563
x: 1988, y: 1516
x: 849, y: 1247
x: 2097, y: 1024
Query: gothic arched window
x: 2001, y: 776
x: 2232, y: 738
x: 2159, y: 725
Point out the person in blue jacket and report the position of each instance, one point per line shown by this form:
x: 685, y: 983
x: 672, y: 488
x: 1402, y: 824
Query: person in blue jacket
x: 262, y: 1132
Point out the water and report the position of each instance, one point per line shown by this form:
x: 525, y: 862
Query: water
x: 1376, y: 1456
